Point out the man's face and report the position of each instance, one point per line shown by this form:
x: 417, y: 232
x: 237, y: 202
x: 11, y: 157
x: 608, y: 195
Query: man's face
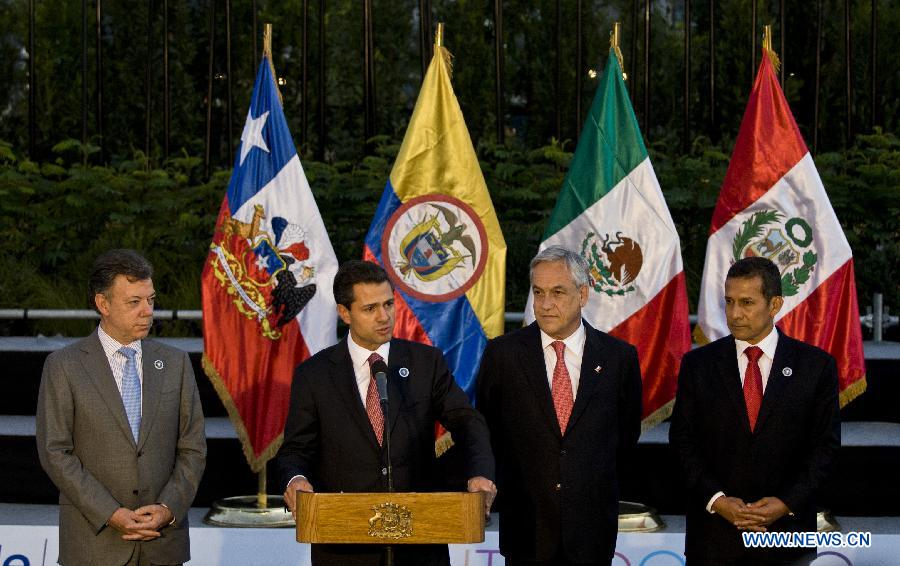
x: 371, y: 314
x: 126, y: 309
x: 557, y: 301
x: 749, y: 315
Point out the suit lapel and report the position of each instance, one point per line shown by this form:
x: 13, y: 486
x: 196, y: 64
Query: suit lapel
x: 96, y: 365
x: 727, y: 369
x: 589, y: 379
x: 151, y: 388
x: 777, y: 380
x: 345, y: 382
x: 399, y: 357
x: 534, y: 370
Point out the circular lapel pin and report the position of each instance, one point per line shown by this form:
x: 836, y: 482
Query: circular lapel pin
x: 158, y: 364
x: 403, y: 372
x: 787, y: 372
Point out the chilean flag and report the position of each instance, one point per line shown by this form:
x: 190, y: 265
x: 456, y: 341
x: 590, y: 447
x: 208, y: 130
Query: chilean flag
x: 267, y: 296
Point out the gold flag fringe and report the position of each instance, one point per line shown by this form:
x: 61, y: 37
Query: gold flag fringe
x: 853, y: 391
x: 257, y: 463
x: 657, y: 416
x: 442, y: 444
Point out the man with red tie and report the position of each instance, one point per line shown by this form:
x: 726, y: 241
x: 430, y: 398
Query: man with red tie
x: 563, y: 404
x: 334, y: 434
x: 755, y: 427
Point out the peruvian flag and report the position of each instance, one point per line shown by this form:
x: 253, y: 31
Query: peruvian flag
x: 773, y: 204
x: 611, y: 210
x: 266, y: 283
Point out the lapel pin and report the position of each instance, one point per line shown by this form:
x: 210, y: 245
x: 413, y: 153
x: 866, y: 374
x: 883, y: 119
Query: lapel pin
x: 597, y: 369
x: 158, y: 364
x: 403, y: 372
x: 787, y: 372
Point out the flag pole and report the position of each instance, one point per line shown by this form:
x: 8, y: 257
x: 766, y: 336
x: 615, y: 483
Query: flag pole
x: 249, y: 510
x: 614, y: 45
x: 633, y: 516
x: 767, y: 47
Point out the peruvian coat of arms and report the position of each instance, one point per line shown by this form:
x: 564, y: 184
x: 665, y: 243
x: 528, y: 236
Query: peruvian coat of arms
x: 267, y: 274
x: 787, y: 243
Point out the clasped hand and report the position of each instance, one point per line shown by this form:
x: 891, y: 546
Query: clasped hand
x: 755, y: 516
x: 142, y: 524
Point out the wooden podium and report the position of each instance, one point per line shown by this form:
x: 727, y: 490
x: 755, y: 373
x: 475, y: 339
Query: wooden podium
x: 390, y: 518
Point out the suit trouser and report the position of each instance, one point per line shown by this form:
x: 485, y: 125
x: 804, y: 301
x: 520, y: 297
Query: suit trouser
x: 139, y: 558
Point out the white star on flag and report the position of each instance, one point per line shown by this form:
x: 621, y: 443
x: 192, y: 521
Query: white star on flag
x: 262, y: 262
x: 252, y: 134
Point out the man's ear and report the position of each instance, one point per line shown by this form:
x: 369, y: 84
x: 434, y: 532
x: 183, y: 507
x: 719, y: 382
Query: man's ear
x: 344, y: 313
x: 585, y: 291
x: 102, y: 303
x: 776, y: 304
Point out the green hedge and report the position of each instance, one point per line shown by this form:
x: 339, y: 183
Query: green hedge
x: 55, y: 217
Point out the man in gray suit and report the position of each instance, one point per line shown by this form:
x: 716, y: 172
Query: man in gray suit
x: 120, y: 429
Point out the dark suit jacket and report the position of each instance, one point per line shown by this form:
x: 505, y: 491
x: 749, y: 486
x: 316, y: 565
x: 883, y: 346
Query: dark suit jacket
x: 559, y: 491
x: 86, y: 447
x: 788, y: 455
x: 328, y: 437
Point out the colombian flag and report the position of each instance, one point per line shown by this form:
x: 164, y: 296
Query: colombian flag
x: 436, y: 233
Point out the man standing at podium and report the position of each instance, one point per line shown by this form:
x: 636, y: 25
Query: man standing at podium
x: 334, y: 434
x: 563, y: 404
x: 755, y: 426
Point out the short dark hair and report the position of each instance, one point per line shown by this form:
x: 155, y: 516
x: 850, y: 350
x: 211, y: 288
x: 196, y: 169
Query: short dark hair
x: 760, y: 267
x: 352, y: 272
x: 113, y: 263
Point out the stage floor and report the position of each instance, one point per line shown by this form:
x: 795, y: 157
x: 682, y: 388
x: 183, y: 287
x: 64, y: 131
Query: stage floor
x: 28, y: 537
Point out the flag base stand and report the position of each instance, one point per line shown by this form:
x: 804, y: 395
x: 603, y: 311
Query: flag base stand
x: 638, y: 518
x: 246, y: 511
x: 826, y: 523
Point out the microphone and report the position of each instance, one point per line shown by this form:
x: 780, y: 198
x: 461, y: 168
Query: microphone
x: 379, y: 370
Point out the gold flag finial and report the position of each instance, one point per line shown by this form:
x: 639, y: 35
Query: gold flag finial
x: 614, y: 45
x: 439, y: 35
x: 767, y: 47
x: 267, y: 54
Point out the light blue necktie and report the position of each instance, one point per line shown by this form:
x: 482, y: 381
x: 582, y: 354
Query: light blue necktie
x: 131, y: 391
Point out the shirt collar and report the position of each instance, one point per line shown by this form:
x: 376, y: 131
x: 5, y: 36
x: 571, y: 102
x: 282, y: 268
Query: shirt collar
x: 574, y: 341
x: 112, y: 346
x: 767, y: 344
x: 360, y: 356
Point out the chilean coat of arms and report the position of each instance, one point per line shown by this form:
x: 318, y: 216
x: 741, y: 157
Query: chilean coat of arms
x: 267, y: 273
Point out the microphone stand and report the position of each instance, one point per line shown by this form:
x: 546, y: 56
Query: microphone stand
x: 381, y: 379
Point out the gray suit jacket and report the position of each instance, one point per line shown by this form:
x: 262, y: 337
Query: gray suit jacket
x: 86, y: 447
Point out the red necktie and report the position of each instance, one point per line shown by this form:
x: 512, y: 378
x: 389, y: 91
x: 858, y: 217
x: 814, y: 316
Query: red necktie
x: 562, y: 387
x: 373, y: 402
x: 753, y: 389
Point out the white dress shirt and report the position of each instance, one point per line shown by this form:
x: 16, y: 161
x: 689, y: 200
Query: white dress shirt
x: 767, y: 345
x: 574, y: 352
x: 360, y: 358
x: 117, y: 360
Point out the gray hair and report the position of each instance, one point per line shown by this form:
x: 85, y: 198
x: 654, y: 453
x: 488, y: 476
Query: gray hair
x: 575, y: 264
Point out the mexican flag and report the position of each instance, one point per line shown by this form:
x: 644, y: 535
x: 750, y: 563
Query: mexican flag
x: 611, y: 210
x: 773, y: 204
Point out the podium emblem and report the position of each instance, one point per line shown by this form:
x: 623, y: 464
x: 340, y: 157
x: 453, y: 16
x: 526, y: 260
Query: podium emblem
x: 390, y: 521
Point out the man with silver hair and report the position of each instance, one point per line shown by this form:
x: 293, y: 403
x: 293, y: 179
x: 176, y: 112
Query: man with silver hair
x: 563, y: 402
